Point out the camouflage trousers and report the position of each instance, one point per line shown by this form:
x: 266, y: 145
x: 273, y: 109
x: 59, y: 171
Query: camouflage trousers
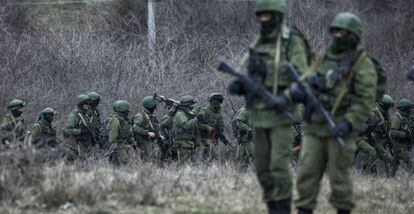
x: 272, y: 152
x: 209, y: 149
x: 402, y: 154
x: 320, y: 155
x: 184, y: 149
x: 364, y: 147
x: 245, y: 151
x: 75, y: 149
x: 120, y: 154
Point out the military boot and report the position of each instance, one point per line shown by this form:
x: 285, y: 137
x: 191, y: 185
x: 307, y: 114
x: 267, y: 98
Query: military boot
x: 344, y: 211
x: 279, y: 207
x: 304, y: 211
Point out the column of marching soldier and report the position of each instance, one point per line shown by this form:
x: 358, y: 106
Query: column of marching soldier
x: 177, y: 136
x: 336, y: 101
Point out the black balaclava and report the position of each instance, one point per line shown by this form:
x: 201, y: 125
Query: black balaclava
x: 274, y: 23
x: 17, y: 113
x: 347, y: 42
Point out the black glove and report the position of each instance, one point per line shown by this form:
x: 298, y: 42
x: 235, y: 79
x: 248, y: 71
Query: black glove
x: 201, y: 118
x: 84, y: 131
x: 280, y: 103
x: 297, y: 93
x: 236, y: 87
x: 317, y: 82
x: 256, y: 64
x: 342, y: 129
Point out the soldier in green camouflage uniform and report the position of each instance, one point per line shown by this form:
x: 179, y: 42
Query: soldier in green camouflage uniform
x: 95, y: 116
x: 345, y: 80
x: 120, y: 133
x: 376, y: 137
x: 43, y: 132
x: 185, y: 129
x: 275, y: 47
x: 401, y: 127
x: 212, y: 129
x: 12, y: 126
x: 76, y: 130
x: 146, y: 127
x: 244, y: 135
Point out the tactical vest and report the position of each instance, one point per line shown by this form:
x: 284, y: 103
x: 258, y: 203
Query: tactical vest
x: 179, y: 133
x: 48, y: 133
x: 125, y: 130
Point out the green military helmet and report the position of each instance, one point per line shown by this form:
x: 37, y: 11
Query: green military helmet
x: 16, y: 104
x: 83, y: 99
x: 270, y: 6
x: 215, y: 96
x: 404, y: 103
x: 348, y: 21
x: 48, y: 112
x: 187, y: 100
x: 121, y: 106
x: 387, y: 100
x: 149, y: 102
x: 94, y: 96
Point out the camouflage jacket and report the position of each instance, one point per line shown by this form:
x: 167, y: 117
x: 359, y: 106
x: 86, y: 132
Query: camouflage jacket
x: 120, y: 130
x: 401, y: 126
x: 144, y: 122
x: 213, y: 125
x: 360, y: 86
x: 292, y: 49
x: 77, y: 120
x: 243, y: 131
x: 184, y: 127
x: 12, y: 127
x: 43, y: 133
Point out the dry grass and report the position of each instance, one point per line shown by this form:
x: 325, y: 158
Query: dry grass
x: 93, y: 186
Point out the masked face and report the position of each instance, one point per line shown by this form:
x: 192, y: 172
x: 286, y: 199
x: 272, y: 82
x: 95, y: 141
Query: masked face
x: 343, y: 40
x: 405, y: 110
x: 17, y: 113
x: 384, y: 107
x: 190, y: 107
x: 124, y: 114
x: 49, y: 119
x: 151, y: 110
x: 95, y: 104
x: 269, y: 21
x: 216, y: 105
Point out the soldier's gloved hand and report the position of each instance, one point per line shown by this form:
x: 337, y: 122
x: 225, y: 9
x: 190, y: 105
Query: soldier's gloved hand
x: 236, y: 87
x: 342, y: 129
x: 280, y: 103
x: 318, y: 82
x: 201, y: 118
x: 297, y: 93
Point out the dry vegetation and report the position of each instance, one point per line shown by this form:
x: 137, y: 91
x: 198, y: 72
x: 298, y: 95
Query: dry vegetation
x: 49, y: 54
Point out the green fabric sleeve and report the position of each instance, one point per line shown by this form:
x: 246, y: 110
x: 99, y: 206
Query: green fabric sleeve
x: 113, y: 129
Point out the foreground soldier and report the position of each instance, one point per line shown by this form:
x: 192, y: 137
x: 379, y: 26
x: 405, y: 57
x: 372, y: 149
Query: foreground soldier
x: 276, y: 46
x: 77, y: 129
x: 146, y: 126
x: 12, y: 125
x: 95, y: 116
x: 377, y: 136
x: 43, y: 133
x: 185, y: 129
x: 358, y: 85
x: 120, y: 133
x: 212, y: 129
x: 244, y: 136
x: 401, y: 126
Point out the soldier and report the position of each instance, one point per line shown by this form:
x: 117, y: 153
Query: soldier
x: 146, y: 127
x: 401, y: 125
x: 377, y: 136
x: 346, y: 82
x: 275, y: 47
x: 95, y: 116
x: 212, y: 129
x: 185, y: 129
x: 120, y: 133
x: 12, y: 125
x: 43, y: 133
x: 77, y: 129
x: 244, y: 135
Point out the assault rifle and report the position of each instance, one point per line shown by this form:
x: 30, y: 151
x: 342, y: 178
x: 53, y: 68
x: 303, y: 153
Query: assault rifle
x: 388, y: 138
x: 253, y: 89
x: 91, y: 134
x: 171, y: 103
x: 313, y: 101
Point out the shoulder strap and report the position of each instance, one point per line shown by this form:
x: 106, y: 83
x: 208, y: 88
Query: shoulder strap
x: 277, y: 61
x: 345, y: 87
x: 378, y: 113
